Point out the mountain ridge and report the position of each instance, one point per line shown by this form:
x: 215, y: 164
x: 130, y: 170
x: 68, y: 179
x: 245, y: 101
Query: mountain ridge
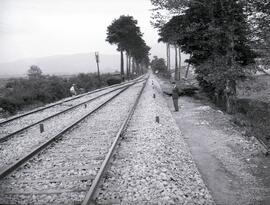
x: 62, y: 64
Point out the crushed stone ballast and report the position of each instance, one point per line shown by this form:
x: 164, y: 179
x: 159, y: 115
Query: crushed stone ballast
x: 63, y: 172
x: 153, y: 164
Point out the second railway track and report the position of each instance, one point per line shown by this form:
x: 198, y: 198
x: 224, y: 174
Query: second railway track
x: 63, y: 172
x: 31, y: 138
x: 20, y: 123
x: 61, y: 102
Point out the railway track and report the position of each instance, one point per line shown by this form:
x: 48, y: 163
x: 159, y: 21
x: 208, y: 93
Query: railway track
x: 31, y: 137
x: 17, y: 124
x: 20, y: 116
x: 62, y: 169
x: 152, y: 165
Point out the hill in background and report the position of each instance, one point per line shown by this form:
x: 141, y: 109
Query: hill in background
x: 61, y: 64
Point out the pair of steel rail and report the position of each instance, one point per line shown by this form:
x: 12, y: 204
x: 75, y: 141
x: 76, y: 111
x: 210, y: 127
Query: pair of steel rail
x: 91, y: 193
x: 89, y: 199
x: 9, y: 169
x: 64, y: 101
x: 10, y: 135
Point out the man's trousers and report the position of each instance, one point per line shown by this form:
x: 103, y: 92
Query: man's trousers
x: 175, y: 103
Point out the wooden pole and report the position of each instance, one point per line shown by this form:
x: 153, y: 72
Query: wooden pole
x: 41, y: 128
x: 97, y: 60
x: 176, y: 73
x: 157, y: 119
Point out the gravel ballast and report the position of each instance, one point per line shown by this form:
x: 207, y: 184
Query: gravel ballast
x: 63, y: 173
x: 31, y: 138
x: 27, y: 120
x: 153, y: 164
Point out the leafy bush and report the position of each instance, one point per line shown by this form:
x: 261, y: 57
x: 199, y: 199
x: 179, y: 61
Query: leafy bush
x: 158, y: 64
x: 9, y: 104
x: 113, y: 80
x: 258, y: 116
x: 23, y: 92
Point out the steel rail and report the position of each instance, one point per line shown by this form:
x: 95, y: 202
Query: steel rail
x: 9, y: 169
x: 91, y: 193
x: 10, y: 135
x: 58, y: 103
x: 265, y: 149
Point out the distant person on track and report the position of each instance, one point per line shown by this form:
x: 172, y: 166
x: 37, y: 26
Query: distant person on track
x: 73, y: 90
x: 175, y: 96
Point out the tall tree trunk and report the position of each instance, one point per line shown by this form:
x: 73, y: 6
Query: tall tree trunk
x: 176, y: 73
x: 141, y: 68
x: 230, y: 91
x: 132, y: 66
x: 127, y: 65
x: 122, y: 73
x: 180, y: 59
x: 168, y: 52
x: 186, y: 75
x: 230, y: 94
x: 137, y: 68
x: 167, y: 55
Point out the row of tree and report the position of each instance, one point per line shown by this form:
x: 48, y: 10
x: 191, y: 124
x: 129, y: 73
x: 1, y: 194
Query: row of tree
x: 125, y: 33
x: 158, y: 64
x: 222, y: 37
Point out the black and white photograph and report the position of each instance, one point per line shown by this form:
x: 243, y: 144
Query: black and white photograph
x: 123, y: 102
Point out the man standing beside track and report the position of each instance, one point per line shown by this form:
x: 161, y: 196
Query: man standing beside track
x: 175, y: 96
x: 73, y: 90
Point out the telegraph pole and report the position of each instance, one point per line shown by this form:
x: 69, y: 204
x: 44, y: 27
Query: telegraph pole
x: 97, y: 60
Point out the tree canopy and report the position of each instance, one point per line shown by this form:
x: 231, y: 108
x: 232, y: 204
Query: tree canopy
x: 125, y: 33
x: 259, y: 22
x: 34, y: 72
x: 217, y: 35
x: 158, y: 64
x: 122, y: 31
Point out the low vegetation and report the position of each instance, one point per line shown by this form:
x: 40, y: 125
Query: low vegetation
x: 38, y: 89
x: 257, y: 87
x: 253, y: 106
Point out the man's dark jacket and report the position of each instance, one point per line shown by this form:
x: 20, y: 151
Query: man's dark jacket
x: 175, y: 93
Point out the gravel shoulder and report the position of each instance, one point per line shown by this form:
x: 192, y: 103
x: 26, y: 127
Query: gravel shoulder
x: 232, y: 165
x: 31, y: 138
x: 153, y: 164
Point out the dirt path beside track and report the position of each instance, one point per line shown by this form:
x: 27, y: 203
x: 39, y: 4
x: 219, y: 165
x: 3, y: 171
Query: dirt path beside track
x: 232, y: 166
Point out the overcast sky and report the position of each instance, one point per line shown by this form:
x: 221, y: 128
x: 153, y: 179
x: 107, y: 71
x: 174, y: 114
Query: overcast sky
x: 36, y: 28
